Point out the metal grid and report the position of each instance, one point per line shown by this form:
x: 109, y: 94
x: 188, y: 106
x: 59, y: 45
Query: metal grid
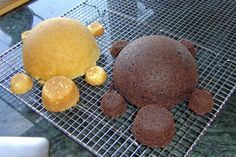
x: 85, y: 123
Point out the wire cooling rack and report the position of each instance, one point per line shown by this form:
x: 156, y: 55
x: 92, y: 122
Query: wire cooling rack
x: 209, y: 24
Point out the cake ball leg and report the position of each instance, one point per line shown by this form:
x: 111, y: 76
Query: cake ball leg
x: 117, y: 46
x: 201, y: 102
x: 113, y: 104
x: 189, y: 45
x: 96, y: 29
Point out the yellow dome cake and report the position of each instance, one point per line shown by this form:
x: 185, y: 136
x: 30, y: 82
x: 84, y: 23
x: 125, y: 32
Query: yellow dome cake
x: 59, y: 47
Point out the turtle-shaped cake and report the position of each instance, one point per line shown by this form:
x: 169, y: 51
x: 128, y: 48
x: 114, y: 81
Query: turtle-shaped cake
x: 154, y: 73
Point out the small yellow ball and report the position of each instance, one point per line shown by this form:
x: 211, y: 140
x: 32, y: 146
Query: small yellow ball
x: 95, y: 76
x: 21, y: 83
x: 96, y: 29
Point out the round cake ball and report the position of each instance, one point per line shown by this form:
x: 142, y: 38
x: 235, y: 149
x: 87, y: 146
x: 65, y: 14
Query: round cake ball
x: 95, y: 76
x: 190, y: 46
x: 201, y: 101
x: 117, y: 46
x: 59, y: 94
x: 155, y: 70
x: 96, y: 29
x: 113, y: 104
x: 153, y: 126
x: 59, y: 47
x: 21, y: 83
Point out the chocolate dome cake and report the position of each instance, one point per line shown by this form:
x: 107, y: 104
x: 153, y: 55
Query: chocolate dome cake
x: 155, y: 70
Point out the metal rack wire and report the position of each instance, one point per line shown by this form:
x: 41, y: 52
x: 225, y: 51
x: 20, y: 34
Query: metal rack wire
x: 209, y: 24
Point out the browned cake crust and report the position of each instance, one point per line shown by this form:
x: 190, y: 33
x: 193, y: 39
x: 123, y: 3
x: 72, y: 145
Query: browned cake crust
x: 153, y: 126
x: 155, y: 70
x: 117, y: 46
x: 201, y: 101
x: 113, y: 104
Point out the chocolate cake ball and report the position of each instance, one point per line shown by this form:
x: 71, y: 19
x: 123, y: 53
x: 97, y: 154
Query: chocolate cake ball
x: 153, y: 126
x: 113, y: 104
x: 117, y: 46
x: 201, y: 101
x: 155, y: 70
x: 189, y: 45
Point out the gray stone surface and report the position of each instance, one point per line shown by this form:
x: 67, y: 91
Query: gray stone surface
x: 12, y: 123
